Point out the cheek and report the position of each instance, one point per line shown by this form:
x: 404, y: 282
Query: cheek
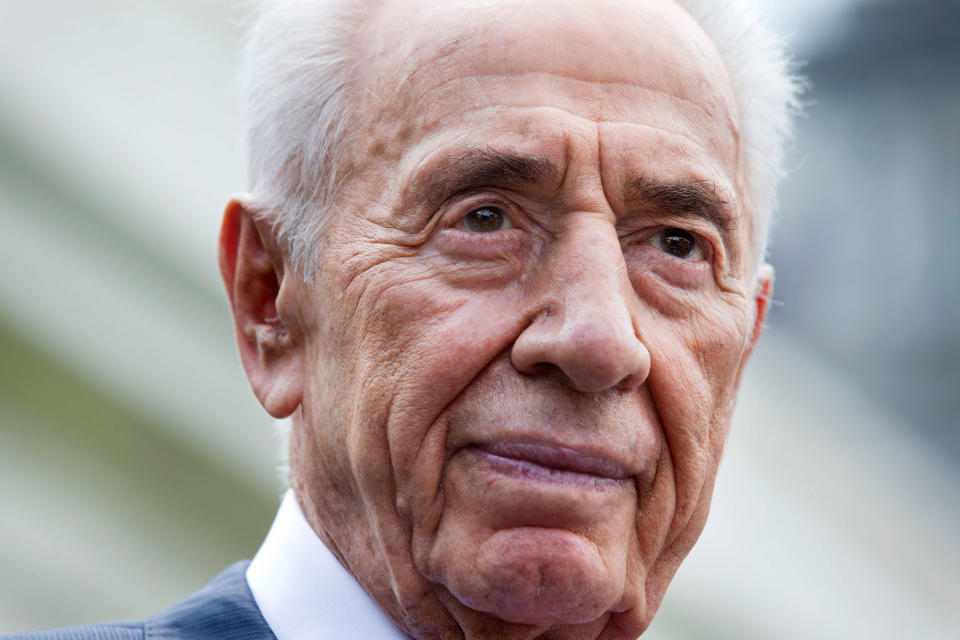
x: 694, y: 361
x: 694, y: 356
x: 420, y: 345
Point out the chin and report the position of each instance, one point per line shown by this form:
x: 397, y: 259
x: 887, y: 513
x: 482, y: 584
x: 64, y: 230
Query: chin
x: 532, y: 576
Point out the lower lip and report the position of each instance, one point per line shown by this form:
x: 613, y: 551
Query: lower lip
x: 536, y: 473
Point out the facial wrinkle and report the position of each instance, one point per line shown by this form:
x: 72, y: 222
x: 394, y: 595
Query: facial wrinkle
x: 583, y: 83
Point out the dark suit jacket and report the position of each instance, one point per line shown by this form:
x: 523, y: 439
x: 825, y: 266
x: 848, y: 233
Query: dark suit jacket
x: 224, y: 609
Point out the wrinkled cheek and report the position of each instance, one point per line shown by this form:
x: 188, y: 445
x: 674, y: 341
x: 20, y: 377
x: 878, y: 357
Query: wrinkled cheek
x: 687, y: 418
x: 648, y: 571
x: 688, y: 397
x: 431, y: 344
x: 368, y: 453
x: 420, y: 498
x: 719, y: 349
x: 721, y: 353
x: 691, y: 383
x: 655, y: 511
x: 328, y: 417
x: 713, y: 348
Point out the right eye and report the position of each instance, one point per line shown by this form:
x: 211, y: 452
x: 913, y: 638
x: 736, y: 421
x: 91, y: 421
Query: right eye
x: 486, y: 220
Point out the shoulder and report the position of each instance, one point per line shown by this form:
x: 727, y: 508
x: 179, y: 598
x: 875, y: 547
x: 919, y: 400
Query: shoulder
x: 116, y: 631
x: 225, y: 608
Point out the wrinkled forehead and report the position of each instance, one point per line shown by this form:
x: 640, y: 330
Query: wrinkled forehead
x: 413, y: 48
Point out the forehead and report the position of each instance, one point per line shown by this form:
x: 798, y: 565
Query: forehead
x: 640, y: 70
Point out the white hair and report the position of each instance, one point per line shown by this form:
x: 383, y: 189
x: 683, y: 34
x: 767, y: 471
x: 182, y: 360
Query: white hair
x: 296, y: 77
x: 298, y: 69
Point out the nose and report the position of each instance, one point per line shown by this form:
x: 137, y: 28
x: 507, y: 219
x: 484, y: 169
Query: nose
x: 583, y: 325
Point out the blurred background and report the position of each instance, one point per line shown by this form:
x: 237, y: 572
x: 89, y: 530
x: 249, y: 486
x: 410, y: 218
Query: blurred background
x: 135, y: 463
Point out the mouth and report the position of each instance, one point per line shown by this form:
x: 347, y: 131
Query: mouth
x: 551, y: 464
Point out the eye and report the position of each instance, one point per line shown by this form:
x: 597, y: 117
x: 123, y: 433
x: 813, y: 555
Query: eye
x: 678, y: 243
x: 486, y: 220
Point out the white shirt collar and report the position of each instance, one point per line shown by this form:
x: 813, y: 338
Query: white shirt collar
x: 303, y: 591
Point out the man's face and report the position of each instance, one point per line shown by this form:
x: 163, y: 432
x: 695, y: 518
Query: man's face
x: 520, y: 353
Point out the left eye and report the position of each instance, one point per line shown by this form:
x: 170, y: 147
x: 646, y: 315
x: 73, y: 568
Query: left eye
x: 678, y: 243
x: 486, y: 220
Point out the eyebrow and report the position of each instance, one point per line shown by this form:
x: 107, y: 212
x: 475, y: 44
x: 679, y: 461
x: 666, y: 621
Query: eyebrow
x: 694, y: 199
x: 481, y: 168
x: 476, y: 169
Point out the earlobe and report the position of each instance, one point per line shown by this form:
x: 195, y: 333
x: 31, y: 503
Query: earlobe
x: 253, y: 274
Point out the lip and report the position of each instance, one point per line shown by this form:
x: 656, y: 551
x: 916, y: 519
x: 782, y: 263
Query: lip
x: 548, y: 462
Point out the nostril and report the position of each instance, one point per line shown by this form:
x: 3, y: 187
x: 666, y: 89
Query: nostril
x: 594, y: 375
x: 544, y: 369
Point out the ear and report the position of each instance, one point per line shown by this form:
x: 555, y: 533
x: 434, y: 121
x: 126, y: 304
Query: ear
x: 761, y: 298
x: 253, y: 273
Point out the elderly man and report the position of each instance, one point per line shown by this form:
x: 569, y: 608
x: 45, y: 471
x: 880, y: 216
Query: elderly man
x: 502, y: 264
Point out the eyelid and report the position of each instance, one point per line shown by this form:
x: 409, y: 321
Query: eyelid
x: 505, y: 222
x: 705, y: 235
x: 700, y: 251
x: 459, y: 207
